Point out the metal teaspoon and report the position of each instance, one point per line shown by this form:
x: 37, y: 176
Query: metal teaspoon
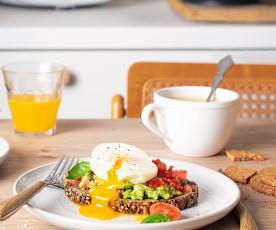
x: 223, y: 66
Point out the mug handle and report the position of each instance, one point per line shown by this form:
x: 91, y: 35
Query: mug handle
x: 145, y: 116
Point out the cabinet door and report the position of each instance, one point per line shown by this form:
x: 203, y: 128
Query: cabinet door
x: 101, y: 74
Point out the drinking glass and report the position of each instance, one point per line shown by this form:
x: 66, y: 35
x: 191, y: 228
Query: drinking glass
x: 34, y: 94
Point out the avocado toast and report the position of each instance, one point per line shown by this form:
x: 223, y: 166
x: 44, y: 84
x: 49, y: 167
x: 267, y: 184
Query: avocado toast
x: 169, y: 186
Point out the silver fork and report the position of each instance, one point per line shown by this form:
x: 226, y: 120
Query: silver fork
x: 55, y: 178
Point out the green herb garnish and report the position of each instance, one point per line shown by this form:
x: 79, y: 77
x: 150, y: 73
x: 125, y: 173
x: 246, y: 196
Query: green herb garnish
x: 80, y: 169
x: 156, y: 218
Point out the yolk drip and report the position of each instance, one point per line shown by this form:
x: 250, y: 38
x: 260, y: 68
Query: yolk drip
x: 101, y: 195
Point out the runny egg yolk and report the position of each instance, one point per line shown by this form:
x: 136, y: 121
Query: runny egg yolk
x: 101, y: 196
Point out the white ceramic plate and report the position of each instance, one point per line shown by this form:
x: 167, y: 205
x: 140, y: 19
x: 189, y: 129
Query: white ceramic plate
x: 4, y: 149
x: 54, y: 3
x: 218, y: 195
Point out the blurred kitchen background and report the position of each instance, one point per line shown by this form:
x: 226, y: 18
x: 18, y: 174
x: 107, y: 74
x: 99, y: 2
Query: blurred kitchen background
x: 99, y: 43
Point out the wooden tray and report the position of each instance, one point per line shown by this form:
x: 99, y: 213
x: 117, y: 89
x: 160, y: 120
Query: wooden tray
x: 260, y: 13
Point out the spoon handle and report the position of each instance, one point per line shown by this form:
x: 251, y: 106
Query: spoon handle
x: 223, y: 66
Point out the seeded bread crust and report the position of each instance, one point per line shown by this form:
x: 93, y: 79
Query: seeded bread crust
x: 76, y: 194
x: 82, y: 197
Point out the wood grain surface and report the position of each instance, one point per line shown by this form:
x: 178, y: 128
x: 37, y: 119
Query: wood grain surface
x: 78, y: 137
x: 251, y: 13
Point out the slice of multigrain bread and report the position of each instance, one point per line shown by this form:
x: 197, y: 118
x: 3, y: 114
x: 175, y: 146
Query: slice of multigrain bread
x: 129, y: 206
x: 82, y: 197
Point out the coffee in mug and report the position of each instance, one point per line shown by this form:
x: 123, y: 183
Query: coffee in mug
x: 194, y: 99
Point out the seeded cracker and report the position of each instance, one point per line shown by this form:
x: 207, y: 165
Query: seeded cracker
x: 242, y: 155
x: 268, y: 175
x: 259, y: 186
x: 239, y: 174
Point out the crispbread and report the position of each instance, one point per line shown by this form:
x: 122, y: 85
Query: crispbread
x: 269, y: 170
x: 243, y: 155
x: 239, y: 174
x: 268, y: 175
x: 257, y: 184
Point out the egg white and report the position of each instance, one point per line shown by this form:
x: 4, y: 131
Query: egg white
x: 136, y: 165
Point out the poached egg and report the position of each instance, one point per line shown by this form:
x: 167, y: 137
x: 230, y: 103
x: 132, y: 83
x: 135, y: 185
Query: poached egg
x: 136, y: 165
x: 114, y: 164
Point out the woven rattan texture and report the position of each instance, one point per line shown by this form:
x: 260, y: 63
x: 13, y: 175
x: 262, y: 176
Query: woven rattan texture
x: 258, y: 98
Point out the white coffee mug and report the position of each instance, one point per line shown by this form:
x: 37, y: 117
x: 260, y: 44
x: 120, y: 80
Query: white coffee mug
x: 193, y: 128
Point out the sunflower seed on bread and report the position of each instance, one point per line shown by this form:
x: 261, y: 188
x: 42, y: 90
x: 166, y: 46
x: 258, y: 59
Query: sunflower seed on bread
x: 76, y: 194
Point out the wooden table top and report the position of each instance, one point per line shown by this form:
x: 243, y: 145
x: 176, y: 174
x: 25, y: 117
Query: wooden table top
x: 78, y: 137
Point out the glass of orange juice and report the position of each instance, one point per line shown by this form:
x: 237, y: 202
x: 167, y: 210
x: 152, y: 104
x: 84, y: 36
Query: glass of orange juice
x: 34, y: 95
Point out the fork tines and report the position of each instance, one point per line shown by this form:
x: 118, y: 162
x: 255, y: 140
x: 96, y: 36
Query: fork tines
x: 56, y: 176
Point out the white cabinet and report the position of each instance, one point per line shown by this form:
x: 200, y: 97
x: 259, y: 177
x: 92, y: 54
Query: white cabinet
x: 103, y: 73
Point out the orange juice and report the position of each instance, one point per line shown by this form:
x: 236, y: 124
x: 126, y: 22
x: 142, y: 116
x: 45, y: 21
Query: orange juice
x: 33, y: 113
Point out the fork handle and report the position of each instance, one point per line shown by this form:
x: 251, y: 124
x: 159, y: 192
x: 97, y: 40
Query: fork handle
x: 11, y: 205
